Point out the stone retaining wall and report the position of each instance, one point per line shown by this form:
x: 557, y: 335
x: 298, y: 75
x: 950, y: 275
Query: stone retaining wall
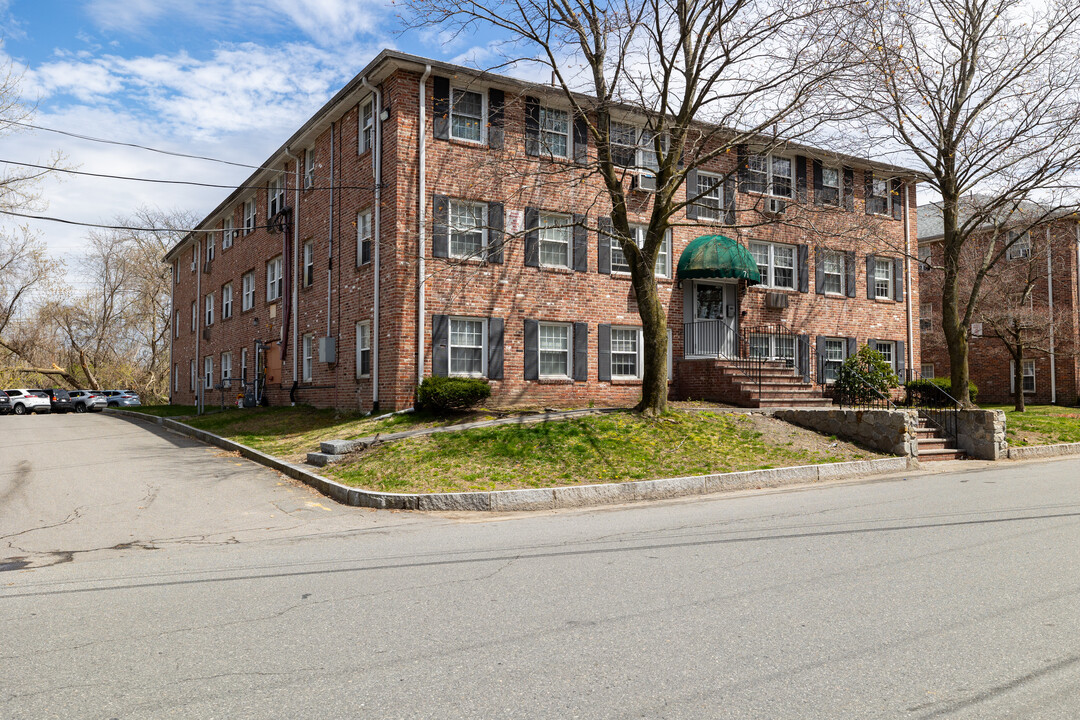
x: 981, y: 434
x: 891, y: 431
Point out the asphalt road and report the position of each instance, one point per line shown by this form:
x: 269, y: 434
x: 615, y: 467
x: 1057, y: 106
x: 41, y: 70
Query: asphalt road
x: 166, y: 579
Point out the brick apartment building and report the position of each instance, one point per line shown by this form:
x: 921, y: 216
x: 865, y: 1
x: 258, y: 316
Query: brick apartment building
x: 1047, y: 258
x: 438, y: 220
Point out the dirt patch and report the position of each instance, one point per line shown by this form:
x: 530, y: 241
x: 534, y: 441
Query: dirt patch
x: 780, y: 433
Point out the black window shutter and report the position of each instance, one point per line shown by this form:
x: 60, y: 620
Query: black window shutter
x: 852, y: 347
x: 440, y: 107
x: 532, y: 350
x: 603, y: 346
x: 496, y: 212
x: 581, y: 140
x: 898, y: 279
x: 532, y: 237
x: 581, y: 243
x: 821, y: 358
x: 603, y: 245
x: 440, y: 231
x: 729, y: 200
x: 872, y: 342
x: 819, y: 271
x: 532, y: 126
x: 742, y: 163
x: 365, y: 253
x: 870, y: 275
x: 804, y: 356
x: 800, y: 178
x: 495, y: 349
x: 868, y: 191
x: 440, y: 345
x: 901, y: 360
x: 896, y: 186
x: 802, y: 253
x: 496, y: 114
x: 581, y: 352
x: 849, y: 189
x: 691, y: 193
x: 849, y: 266
x: 819, y: 182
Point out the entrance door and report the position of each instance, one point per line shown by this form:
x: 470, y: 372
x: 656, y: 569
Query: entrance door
x: 715, y: 319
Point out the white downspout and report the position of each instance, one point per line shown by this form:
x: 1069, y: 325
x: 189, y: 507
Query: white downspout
x: 907, y: 280
x: 199, y: 309
x: 296, y: 261
x: 174, y: 372
x: 421, y: 241
x: 1050, y: 297
x: 376, y: 233
x: 330, y: 235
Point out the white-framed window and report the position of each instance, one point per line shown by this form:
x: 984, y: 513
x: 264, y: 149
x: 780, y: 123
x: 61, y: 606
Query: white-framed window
x: 176, y: 272
x: 770, y: 175
x: 554, y: 348
x: 830, y: 186
x: 625, y: 353
x: 835, y: 269
x: 192, y: 364
x: 208, y: 372
x: 176, y: 378
x: 926, y: 317
x: 227, y: 231
x: 194, y: 315
x: 1029, y: 376
x: 883, y: 278
x: 209, y: 309
x: 926, y: 370
x: 773, y: 347
x: 1021, y: 246
x: 467, y: 233
x: 194, y: 256
x: 308, y: 277
x: 249, y: 216
x: 243, y: 364
x: 887, y: 350
x: 309, y: 168
x: 226, y: 301
x: 554, y: 234
x: 307, y: 348
x: 363, y: 237
x: 176, y: 325
x: 467, y: 347
x: 710, y: 204
x: 248, y: 290
x: 275, y: 195
x: 647, y: 157
x: 925, y: 253
x: 776, y: 263
x: 467, y: 111
x: 226, y: 367
x: 555, y: 132
x: 634, y: 147
x: 363, y: 349
x: 880, y: 200
x: 835, y: 354
x: 663, y: 254
x: 367, y: 125
x: 273, y: 279
x: 210, y: 247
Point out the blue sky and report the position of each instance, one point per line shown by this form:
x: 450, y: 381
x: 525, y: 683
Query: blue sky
x: 225, y: 78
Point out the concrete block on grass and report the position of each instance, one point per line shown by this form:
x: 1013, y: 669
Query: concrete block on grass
x: 517, y: 500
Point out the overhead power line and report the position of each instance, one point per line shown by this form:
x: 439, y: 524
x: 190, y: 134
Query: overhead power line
x: 121, y: 227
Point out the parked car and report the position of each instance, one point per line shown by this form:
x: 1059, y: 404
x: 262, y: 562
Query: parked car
x: 87, y: 401
x: 121, y: 398
x: 27, y: 401
x: 5, y: 403
x: 59, y: 400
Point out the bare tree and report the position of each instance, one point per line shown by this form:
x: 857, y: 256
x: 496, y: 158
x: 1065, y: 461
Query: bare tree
x: 706, y: 76
x: 984, y: 96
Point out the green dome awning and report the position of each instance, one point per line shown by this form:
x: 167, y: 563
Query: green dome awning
x: 717, y: 256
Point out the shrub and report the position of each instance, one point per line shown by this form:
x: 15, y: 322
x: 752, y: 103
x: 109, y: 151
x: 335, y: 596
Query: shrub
x: 864, y: 373
x: 943, y: 383
x: 443, y: 394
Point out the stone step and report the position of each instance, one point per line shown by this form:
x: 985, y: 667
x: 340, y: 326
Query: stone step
x: 940, y: 454
x: 931, y: 444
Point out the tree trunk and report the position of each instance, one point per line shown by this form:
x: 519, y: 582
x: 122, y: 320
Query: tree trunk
x: 956, y: 331
x: 654, y: 385
x: 1018, y: 380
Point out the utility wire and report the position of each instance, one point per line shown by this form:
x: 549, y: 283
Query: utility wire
x: 171, y: 182
x: 124, y: 227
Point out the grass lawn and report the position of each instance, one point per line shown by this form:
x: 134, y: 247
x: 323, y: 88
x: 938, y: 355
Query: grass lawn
x: 165, y: 410
x: 1040, y: 424
x: 604, y: 448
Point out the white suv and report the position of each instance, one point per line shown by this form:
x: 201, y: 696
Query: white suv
x: 27, y: 401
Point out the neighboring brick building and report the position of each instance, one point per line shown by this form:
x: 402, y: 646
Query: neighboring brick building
x: 1047, y: 257
x: 519, y: 282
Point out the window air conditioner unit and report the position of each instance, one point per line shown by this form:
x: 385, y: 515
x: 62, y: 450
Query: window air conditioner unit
x: 775, y: 206
x: 206, y: 334
x: 328, y: 349
x: 206, y: 267
x: 645, y: 182
x: 776, y: 300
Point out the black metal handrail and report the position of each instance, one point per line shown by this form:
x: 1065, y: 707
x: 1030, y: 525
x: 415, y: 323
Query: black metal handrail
x: 778, y: 342
x: 715, y: 338
x: 935, y: 405
x: 867, y: 397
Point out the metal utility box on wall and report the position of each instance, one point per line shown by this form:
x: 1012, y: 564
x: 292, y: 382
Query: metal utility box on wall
x: 327, y: 349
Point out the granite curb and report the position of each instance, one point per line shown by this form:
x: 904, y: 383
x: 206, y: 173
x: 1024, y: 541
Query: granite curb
x: 1030, y: 452
x: 547, y: 498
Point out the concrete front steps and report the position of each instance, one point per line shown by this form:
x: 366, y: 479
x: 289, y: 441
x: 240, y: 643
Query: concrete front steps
x: 781, y: 386
x: 933, y: 445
